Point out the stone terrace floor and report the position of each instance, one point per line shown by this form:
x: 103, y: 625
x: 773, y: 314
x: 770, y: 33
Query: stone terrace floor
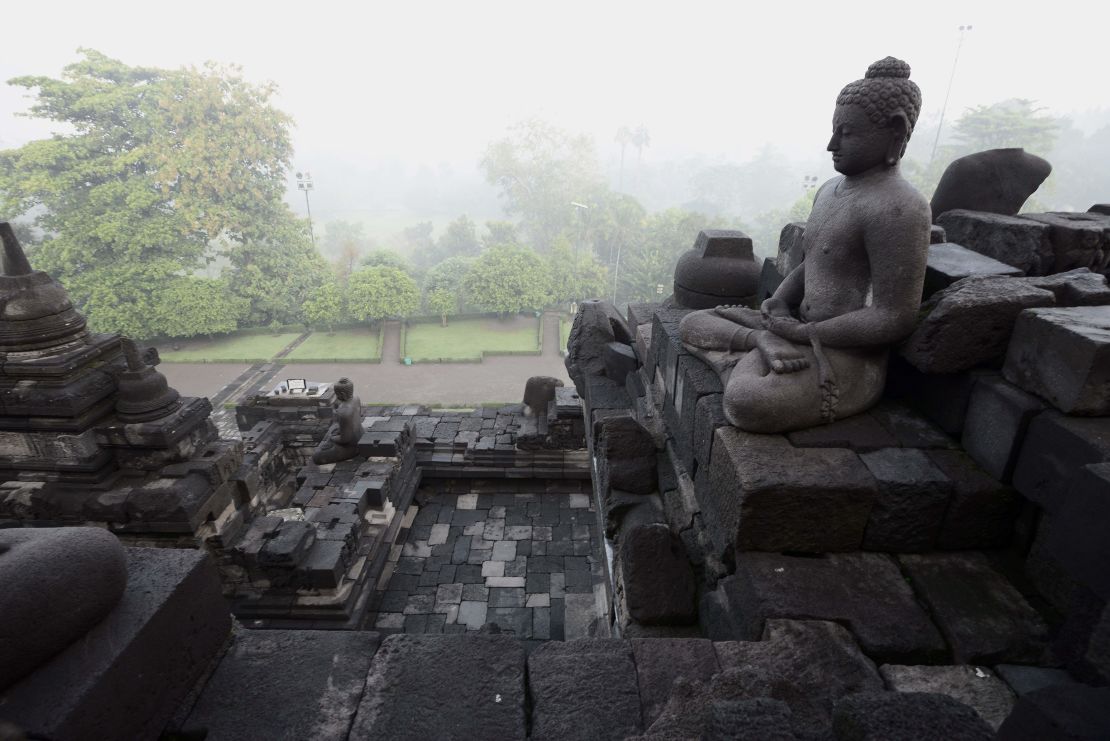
x: 523, y: 554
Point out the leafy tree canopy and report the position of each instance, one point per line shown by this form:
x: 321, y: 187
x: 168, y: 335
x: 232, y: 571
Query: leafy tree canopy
x: 154, y: 168
x: 325, y: 308
x: 380, y: 292
x: 386, y: 258
x: 508, y: 280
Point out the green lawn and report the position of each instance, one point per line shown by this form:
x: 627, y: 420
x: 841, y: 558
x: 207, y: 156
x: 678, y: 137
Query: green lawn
x: 345, y: 344
x: 468, y: 338
x: 249, y: 348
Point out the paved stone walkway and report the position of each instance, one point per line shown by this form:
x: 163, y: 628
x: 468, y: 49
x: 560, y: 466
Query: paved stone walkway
x: 503, y: 553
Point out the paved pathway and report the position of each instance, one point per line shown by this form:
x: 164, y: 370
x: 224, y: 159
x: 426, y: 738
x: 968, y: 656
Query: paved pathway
x: 526, y: 561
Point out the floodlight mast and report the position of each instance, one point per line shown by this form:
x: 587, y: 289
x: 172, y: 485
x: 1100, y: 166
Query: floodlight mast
x: 304, y: 182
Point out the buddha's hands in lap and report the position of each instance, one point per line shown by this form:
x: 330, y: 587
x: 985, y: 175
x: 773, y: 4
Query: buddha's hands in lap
x: 742, y: 315
x: 782, y: 355
x: 775, y: 307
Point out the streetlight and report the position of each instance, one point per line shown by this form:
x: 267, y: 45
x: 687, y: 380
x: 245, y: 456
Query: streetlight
x: 304, y: 182
x: 582, y: 208
x: 943, y: 108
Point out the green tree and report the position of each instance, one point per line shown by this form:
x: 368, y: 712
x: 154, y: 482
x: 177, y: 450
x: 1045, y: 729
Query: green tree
x: 448, y: 277
x: 541, y: 171
x: 377, y: 293
x: 500, y: 233
x: 573, y: 277
x: 442, y: 301
x: 325, y: 308
x: 386, y: 259
x: 155, y: 168
x: 460, y: 239
x: 195, y: 306
x: 508, y: 280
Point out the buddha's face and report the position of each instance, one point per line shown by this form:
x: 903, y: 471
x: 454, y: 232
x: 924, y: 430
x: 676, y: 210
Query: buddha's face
x: 858, y: 144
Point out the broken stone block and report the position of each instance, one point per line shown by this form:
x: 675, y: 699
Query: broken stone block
x: 626, y: 455
x: 708, y: 416
x: 444, y: 686
x: 998, y: 416
x: 974, y: 686
x: 981, y: 511
x: 1009, y: 239
x: 983, y: 617
x: 810, y: 664
x: 1063, y: 355
x: 1079, y: 287
x: 969, y: 323
x: 260, y: 686
x: 1079, y: 539
x: 1056, y: 446
x: 767, y: 495
x: 658, y: 582
x: 661, y: 661
x: 863, y: 591
x: 1065, y: 711
x: 921, y: 716
x: 949, y: 262
x: 911, y: 501
x: 596, y: 324
x: 620, y: 360
x: 995, y: 180
x: 769, y: 281
x: 666, y: 346
x: 583, y: 689
x: 289, y: 545
x: 1079, y: 240
x: 791, y: 247
x: 325, y: 564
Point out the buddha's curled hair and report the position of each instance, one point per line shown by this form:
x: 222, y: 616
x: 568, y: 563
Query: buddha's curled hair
x: 884, y: 90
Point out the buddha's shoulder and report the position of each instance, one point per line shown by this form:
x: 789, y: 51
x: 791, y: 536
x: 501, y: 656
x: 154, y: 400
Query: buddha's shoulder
x: 896, y: 194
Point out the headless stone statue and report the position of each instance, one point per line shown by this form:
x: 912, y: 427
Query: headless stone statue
x: 341, y: 442
x: 817, y: 349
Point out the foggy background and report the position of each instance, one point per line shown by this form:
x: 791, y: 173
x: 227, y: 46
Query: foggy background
x: 395, y: 103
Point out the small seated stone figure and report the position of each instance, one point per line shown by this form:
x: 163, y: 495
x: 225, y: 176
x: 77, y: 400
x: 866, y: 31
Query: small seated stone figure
x: 816, y: 351
x: 341, y: 442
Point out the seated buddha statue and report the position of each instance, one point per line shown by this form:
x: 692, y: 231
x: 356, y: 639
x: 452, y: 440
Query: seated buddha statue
x: 341, y: 442
x: 817, y: 349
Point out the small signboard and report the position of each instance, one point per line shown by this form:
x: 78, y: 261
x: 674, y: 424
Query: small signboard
x: 296, y: 385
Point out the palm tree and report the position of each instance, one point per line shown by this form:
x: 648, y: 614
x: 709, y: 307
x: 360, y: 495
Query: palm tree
x: 640, y: 139
x: 624, y: 138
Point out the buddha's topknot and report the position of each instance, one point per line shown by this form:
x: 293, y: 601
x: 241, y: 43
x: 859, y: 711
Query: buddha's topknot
x: 884, y: 90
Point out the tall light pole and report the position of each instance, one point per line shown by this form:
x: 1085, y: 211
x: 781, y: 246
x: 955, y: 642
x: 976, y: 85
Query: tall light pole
x: 304, y: 182
x: 582, y: 208
x: 943, y: 108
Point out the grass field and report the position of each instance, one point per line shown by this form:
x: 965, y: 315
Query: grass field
x: 469, y: 338
x: 247, y: 348
x: 345, y: 344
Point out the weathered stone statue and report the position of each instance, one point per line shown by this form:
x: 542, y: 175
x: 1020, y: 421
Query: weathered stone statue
x: 817, y: 350
x: 341, y: 442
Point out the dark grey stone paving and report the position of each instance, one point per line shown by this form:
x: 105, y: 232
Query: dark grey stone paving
x: 498, y: 552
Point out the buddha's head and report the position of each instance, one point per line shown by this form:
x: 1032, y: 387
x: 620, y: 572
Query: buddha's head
x: 344, y: 389
x: 874, y: 118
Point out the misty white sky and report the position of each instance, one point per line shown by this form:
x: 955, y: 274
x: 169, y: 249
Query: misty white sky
x: 432, y: 82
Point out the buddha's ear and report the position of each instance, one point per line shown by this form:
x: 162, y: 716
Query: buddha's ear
x: 900, y: 136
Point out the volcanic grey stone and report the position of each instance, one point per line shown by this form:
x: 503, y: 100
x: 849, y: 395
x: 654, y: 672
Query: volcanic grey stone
x: 769, y: 281
x: 627, y: 451
x: 861, y: 433
x: 620, y: 360
x: 974, y: 686
x: 949, y: 262
x: 583, y: 689
x: 998, y: 416
x: 1079, y: 287
x: 759, y: 719
x: 596, y: 324
x: 1009, y: 239
x: 1079, y: 240
x: 863, y: 591
x: 984, y: 619
x: 661, y: 661
x: 1080, y: 536
x: 718, y: 709
x: 911, y: 502
x: 719, y: 269
x: 765, y: 494
x: 709, y: 414
x: 791, y: 247
x: 444, y: 686
x: 55, y: 585
x: 659, y: 585
x: 1055, y: 448
x: 921, y: 716
x: 1069, y: 712
x: 1025, y: 679
x: 539, y: 391
x: 969, y: 323
x: 981, y: 511
x: 127, y: 676
x: 1063, y: 355
x: 807, y: 664
x: 286, y: 684
x: 995, y: 180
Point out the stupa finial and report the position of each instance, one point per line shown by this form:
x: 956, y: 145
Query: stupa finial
x: 13, y: 261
